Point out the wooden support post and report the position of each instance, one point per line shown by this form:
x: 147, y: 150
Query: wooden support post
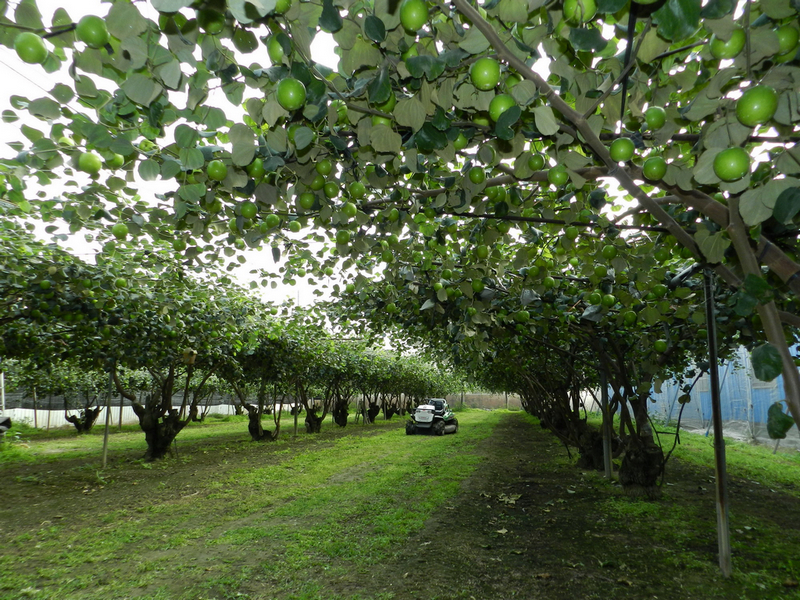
x: 607, y: 422
x: 108, y: 417
x: 723, y: 530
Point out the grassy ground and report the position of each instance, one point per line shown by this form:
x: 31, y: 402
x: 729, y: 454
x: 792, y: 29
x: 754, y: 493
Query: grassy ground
x: 496, y: 511
x: 328, y: 504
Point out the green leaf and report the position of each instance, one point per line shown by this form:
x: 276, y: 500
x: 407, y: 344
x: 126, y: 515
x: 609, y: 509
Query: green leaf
x: 777, y: 9
x: 503, y: 127
x: 44, y: 148
x: 758, y: 204
x: 383, y: 139
x: 375, y: 29
x: 31, y: 133
x: 9, y: 116
x: 440, y: 120
x: 380, y: 88
x: 511, y: 12
x: 587, y: 39
x: 27, y: 14
x: 186, y: 136
x: 409, y: 112
x: 242, y: 10
x: 651, y: 315
x: 303, y: 137
x: 192, y: 192
x: 429, y: 138
x: 787, y: 205
x: 243, y: 140
x: 712, y: 245
x: 98, y: 136
x: 758, y: 287
x: 429, y: 66
x: 652, y: 46
x: 593, y: 313
x: 125, y: 21
x: 149, y: 170
x: 545, y: 120
x: 745, y: 303
x: 121, y: 146
x: 778, y: 422
x: 85, y: 88
x: 62, y: 93
x: 171, y: 5
x: 171, y: 74
x: 141, y: 89
x: 234, y: 92
x: 363, y: 53
x: 703, y: 171
x: 45, y: 108
x: 678, y: 19
x: 475, y: 42
x: 170, y: 168
x: 330, y: 20
x: 191, y: 158
x: 716, y: 9
x: 767, y: 364
x: 611, y: 6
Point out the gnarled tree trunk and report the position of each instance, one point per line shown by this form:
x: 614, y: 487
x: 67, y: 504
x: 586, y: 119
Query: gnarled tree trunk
x: 85, y: 419
x: 254, y: 426
x: 160, y: 429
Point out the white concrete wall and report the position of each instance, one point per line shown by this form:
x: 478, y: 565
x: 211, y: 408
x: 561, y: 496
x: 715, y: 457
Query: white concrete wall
x: 56, y: 417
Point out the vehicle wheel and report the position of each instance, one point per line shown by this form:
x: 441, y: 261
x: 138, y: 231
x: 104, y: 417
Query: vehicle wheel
x: 411, y: 428
x: 438, y: 428
x: 455, y: 422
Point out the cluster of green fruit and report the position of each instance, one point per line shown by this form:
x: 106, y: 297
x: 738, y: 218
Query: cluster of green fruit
x: 622, y: 149
x: 485, y: 75
x: 788, y: 43
x: 91, y: 163
x: 30, y: 47
x: 756, y: 106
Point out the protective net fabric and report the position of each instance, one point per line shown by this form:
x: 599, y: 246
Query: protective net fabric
x: 744, y: 402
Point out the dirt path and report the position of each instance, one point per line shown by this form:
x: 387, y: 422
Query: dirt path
x: 529, y: 524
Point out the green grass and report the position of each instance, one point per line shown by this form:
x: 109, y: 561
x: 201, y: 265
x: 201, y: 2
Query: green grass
x: 283, y: 519
x: 674, y: 525
x: 754, y: 462
x: 318, y: 507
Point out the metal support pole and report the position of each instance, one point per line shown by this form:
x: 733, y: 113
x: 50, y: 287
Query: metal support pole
x: 2, y: 392
x: 723, y: 531
x: 108, y: 418
x: 607, y: 418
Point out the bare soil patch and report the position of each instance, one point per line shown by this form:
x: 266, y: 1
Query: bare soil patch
x: 530, y: 524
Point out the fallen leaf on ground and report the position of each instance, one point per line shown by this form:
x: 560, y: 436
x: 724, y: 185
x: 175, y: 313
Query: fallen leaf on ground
x: 509, y: 499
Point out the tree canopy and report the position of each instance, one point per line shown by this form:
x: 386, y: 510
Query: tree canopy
x: 503, y: 177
